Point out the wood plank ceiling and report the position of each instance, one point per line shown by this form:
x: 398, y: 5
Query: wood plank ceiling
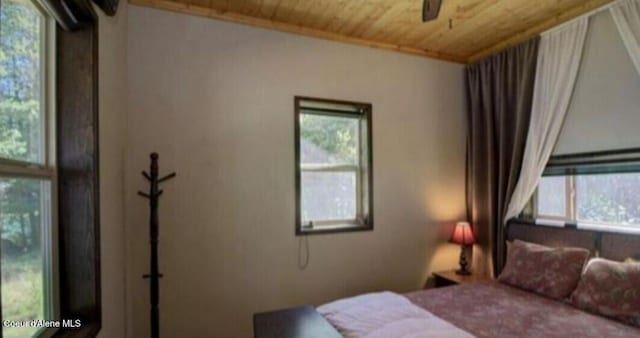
x: 465, y: 31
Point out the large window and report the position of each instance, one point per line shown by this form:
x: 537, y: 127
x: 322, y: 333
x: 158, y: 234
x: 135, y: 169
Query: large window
x: 602, y: 200
x: 333, y: 166
x: 27, y: 170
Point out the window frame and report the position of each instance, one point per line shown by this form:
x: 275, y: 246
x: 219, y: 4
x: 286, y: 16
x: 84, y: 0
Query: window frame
x: 78, y: 166
x: 569, y: 203
x: 45, y: 170
x: 364, y: 185
x: 571, y: 214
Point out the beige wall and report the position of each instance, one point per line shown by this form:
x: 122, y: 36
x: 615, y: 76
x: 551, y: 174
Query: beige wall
x: 604, y: 109
x: 112, y: 110
x: 215, y: 99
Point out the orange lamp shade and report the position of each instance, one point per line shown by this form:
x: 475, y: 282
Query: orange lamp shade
x: 462, y: 234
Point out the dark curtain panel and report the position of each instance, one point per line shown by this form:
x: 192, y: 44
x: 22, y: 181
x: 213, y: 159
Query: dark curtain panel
x: 499, y: 97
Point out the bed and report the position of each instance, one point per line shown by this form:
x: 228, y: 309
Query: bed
x: 494, y: 309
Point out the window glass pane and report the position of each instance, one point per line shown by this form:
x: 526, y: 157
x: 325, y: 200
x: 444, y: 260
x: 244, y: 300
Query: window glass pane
x: 328, y: 196
x: 328, y: 139
x: 24, y: 217
x: 609, y: 199
x: 552, y: 196
x: 21, y: 75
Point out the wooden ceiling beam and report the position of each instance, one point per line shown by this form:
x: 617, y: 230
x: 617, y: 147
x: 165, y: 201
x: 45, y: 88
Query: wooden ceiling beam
x: 192, y: 9
x: 522, y: 36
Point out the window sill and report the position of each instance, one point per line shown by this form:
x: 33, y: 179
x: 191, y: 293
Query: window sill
x: 333, y: 229
x: 616, y: 229
x: 550, y: 222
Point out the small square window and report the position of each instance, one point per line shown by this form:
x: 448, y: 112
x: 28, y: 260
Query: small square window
x: 610, y: 199
x: 552, y: 197
x: 333, y: 166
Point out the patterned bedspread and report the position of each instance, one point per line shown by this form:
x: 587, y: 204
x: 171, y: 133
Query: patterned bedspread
x: 493, y: 309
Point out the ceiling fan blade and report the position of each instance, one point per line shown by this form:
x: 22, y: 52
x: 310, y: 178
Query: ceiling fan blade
x: 430, y: 9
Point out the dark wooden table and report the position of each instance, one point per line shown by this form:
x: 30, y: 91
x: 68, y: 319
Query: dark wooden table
x: 450, y: 277
x: 298, y: 322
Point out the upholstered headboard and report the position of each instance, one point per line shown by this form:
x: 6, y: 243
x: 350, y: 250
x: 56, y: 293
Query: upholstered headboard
x: 614, y: 246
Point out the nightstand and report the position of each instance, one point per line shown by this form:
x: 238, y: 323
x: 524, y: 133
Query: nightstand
x: 447, y: 278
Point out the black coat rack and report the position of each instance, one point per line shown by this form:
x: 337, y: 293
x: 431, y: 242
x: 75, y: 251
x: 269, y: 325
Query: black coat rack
x: 154, y: 275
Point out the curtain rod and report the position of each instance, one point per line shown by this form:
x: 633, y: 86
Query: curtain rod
x: 588, y: 14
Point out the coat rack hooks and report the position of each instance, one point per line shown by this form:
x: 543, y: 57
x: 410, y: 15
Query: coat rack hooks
x: 154, y: 275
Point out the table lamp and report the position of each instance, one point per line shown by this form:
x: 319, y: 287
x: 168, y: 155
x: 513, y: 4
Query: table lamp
x: 463, y: 235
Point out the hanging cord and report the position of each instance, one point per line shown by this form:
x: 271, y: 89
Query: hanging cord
x: 303, y: 263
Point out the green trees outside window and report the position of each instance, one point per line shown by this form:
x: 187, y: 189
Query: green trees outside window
x: 25, y: 175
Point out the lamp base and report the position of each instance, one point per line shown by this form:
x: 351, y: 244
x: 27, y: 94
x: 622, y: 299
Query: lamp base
x: 463, y: 272
x: 463, y: 262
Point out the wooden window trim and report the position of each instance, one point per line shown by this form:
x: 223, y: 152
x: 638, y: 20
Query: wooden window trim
x: 343, y: 226
x: 78, y: 188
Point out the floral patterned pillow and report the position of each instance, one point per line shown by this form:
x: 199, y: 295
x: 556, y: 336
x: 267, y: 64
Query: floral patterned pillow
x: 551, y: 272
x: 610, y: 289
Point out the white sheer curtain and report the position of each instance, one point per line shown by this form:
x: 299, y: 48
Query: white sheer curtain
x: 626, y: 15
x: 559, y: 59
